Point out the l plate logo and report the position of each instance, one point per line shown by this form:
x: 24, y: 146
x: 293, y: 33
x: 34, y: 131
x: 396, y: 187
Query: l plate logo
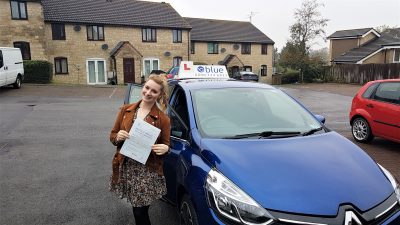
x: 351, y: 219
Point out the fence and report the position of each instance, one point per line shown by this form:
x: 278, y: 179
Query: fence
x: 361, y: 74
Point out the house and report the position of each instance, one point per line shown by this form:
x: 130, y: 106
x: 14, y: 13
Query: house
x: 89, y: 41
x: 364, y: 46
x: 236, y: 44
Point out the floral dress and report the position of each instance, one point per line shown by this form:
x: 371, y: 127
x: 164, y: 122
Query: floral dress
x: 138, y: 184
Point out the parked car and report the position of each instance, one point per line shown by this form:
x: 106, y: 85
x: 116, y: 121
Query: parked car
x: 171, y: 73
x: 375, y: 111
x: 246, y: 76
x: 248, y: 153
x: 11, y: 67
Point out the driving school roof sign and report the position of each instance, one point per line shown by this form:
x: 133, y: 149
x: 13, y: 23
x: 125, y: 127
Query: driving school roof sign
x: 188, y: 70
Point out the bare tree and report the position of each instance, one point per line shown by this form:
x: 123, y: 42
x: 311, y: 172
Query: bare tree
x: 308, y: 26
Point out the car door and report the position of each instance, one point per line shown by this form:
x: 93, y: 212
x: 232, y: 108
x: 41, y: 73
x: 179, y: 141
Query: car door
x: 385, y: 110
x: 174, y: 165
x: 2, y: 70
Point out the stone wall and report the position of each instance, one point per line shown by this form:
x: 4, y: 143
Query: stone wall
x: 31, y: 30
x: 78, y: 50
x: 255, y: 59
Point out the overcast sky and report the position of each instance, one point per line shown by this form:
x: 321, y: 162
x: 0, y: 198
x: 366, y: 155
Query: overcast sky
x: 273, y: 17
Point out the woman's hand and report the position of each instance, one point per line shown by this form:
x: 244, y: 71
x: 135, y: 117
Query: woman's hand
x: 160, y: 149
x: 122, y: 135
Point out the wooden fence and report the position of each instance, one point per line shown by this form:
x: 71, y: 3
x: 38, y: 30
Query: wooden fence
x: 361, y: 74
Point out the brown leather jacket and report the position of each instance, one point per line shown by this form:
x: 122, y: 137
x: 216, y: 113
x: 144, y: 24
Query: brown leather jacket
x: 124, y: 121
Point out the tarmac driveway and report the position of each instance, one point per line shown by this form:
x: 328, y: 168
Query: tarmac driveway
x: 55, y: 156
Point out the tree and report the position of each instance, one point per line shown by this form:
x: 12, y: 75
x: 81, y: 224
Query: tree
x: 308, y: 26
x: 383, y: 28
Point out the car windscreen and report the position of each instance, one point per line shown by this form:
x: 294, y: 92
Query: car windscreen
x: 228, y: 112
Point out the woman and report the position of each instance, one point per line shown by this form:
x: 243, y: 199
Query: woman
x: 142, y: 184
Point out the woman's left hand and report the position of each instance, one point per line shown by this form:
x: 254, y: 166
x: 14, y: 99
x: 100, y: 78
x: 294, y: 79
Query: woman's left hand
x: 160, y: 149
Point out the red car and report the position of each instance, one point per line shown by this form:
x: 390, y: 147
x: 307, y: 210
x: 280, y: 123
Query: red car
x: 375, y: 111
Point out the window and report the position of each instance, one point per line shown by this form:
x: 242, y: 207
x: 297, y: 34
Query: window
x: 370, y: 90
x: 58, y: 31
x: 396, y: 57
x: 18, y: 10
x: 61, y: 65
x: 388, y: 92
x: 177, y: 36
x: 149, y: 35
x: 179, y: 116
x: 149, y: 65
x: 25, y: 49
x: 212, y: 48
x: 1, y: 59
x: 177, y: 61
x: 247, y: 68
x: 246, y: 48
x: 264, y: 49
x: 263, y: 71
x: 95, y: 33
x: 192, y: 48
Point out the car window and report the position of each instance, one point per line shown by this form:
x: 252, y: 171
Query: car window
x: 227, y: 112
x: 1, y: 59
x: 388, y: 92
x: 370, y: 90
x: 135, y: 93
x: 179, y: 115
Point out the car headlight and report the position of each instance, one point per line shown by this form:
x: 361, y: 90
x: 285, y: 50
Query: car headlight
x: 226, y: 199
x: 393, y: 181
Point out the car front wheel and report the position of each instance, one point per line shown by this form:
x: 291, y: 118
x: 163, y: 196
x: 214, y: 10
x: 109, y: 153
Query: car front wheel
x: 187, y: 213
x: 361, y: 130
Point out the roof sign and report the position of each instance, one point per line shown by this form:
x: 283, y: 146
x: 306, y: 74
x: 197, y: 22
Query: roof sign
x: 189, y: 71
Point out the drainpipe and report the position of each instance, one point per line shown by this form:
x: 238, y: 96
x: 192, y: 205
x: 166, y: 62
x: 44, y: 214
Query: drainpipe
x: 189, y: 44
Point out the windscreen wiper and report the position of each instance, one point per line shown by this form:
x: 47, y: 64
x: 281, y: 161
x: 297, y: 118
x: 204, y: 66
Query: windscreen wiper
x: 266, y: 134
x: 312, y: 131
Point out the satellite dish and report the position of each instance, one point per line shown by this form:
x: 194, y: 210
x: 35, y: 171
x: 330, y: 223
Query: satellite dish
x: 167, y: 53
x: 77, y: 28
x: 236, y: 46
x: 223, y: 50
x: 104, y: 46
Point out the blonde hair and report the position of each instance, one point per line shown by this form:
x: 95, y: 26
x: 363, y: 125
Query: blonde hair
x: 162, y: 81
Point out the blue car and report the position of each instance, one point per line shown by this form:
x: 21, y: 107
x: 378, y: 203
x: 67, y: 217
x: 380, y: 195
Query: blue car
x: 247, y: 153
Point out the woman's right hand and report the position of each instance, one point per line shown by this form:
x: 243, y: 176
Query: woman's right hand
x: 122, y: 135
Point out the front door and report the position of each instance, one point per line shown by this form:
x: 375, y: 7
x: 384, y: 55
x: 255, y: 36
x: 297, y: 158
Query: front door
x: 96, y: 71
x: 129, y: 70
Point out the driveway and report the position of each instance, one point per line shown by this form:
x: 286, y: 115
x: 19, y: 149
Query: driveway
x: 55, y: 156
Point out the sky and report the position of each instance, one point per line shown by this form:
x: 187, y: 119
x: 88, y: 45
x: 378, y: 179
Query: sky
x: 274, y: 17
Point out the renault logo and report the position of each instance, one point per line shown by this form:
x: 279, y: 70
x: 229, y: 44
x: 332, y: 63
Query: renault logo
x: 351, y: 219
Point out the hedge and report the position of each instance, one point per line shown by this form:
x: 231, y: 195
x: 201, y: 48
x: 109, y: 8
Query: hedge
x: 38, y: 71
x: 290, y: 77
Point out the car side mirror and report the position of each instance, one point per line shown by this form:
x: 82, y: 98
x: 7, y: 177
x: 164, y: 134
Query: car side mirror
x: 320, y: 118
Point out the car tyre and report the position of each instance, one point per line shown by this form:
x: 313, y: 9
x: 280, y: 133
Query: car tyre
x: 18, y: 82
x: 187, y: 213
x: 361, y: 130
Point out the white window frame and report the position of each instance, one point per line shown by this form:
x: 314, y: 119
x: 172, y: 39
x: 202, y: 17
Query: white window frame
x: 151, y: 65
x: 394, y: 55
x: 96, y: 71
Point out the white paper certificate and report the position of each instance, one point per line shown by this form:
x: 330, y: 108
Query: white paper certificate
x: 142, y: 137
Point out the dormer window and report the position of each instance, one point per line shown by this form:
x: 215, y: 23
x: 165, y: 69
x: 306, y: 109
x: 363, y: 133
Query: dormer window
x: 18, y: 10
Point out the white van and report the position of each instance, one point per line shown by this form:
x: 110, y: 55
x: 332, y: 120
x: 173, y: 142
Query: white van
x: 11, y: 67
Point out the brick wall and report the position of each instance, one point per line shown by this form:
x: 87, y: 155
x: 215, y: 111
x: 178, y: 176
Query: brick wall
x: 30, y: 30
x: 255, y: 59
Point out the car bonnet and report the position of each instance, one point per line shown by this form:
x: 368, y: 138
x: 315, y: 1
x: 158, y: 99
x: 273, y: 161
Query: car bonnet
x: 307, y: 175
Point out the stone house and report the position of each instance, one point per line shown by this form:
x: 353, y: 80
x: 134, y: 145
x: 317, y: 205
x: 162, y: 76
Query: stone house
x: 364, y: 46
x: 236, y: 44
x: 89, y: 41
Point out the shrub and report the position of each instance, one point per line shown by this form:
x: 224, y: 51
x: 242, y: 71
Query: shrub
x: 38, y: 71
x: 290, y: 76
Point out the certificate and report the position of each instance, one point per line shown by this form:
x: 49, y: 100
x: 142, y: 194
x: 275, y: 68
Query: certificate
x: 142, y: 136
